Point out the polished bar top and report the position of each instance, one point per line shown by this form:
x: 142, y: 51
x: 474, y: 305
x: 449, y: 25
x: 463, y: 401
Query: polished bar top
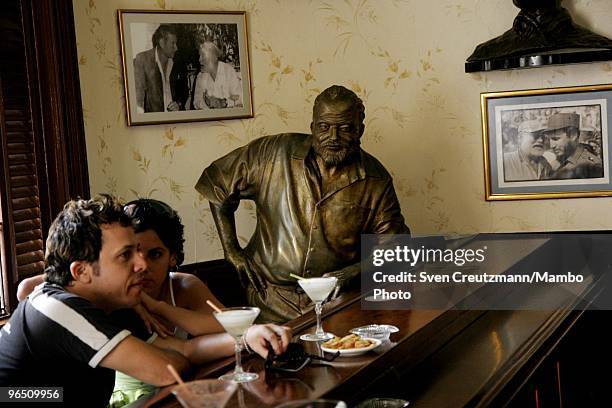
x: 316, y: 379
x: 424, y: 335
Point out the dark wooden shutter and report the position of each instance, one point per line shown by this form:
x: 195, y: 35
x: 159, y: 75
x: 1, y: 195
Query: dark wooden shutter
x: 22, y: 229
x: 22, y: 175
x: 43, y: 156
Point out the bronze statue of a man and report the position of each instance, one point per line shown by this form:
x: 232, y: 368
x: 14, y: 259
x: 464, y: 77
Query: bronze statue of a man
x: 315, y: 195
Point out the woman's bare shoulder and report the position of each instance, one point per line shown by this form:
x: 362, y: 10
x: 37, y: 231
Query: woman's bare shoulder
x: 188, y: 289
x: 187, y: 281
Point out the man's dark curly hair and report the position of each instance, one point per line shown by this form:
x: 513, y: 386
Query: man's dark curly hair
x: 76, y: 234
x: 147, y: 213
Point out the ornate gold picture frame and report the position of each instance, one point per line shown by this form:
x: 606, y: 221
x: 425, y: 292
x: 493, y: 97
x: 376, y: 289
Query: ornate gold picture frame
x: 185, y: 66
x: 547, y: 143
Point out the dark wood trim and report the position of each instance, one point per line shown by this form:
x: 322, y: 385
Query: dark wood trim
x: 8, y: 261
x: 74, y: 135
x: 57, y: 79
x: 530, y: 357
x: 36, y: 112
x: 56, y: 114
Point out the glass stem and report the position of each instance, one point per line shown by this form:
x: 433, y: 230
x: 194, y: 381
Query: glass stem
x: 238, y: 350
x: 318, y: 309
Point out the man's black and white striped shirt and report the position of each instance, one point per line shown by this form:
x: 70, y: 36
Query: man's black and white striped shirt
x: 56, y: 338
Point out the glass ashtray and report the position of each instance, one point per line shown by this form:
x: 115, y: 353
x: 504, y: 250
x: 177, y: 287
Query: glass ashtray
x: 320, y: 403
x: 384, y: 403
x: 204, y: 393
x: 375, y: 331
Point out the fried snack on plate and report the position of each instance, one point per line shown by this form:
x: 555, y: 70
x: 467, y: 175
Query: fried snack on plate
x: 332, y: 343
x: 362, y: 343
x: 347, y: 342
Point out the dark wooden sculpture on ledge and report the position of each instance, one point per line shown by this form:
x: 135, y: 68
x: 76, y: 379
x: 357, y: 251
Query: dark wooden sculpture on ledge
x: 543, y: 33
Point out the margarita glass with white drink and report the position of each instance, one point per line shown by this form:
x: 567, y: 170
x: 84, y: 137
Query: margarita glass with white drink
x: 236, y: 321
x: 318, y: 289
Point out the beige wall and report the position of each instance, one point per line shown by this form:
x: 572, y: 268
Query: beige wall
x: 403, y: 57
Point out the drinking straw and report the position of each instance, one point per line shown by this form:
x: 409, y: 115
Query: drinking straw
x: 176, y: 375
x: 215, y: 307
x: 179, y: 380
x: 296, y: 276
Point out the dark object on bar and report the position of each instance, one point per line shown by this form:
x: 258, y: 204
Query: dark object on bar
x: 293, y: 360
x: 543, y: 33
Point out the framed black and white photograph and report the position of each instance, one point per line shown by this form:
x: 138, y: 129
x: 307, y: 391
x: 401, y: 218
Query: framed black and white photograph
x: 547, y: 143
x: 185, y: 66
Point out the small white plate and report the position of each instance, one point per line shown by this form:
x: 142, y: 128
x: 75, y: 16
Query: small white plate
x: 354, y: 351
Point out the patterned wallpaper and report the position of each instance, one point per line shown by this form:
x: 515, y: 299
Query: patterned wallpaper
x: 404, y: 58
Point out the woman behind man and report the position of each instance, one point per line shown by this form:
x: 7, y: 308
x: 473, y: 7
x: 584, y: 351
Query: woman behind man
x: 178, y: 300
x: 174, y: 303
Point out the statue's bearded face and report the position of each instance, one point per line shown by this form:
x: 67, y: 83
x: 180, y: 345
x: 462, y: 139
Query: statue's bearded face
x: 336, y: 130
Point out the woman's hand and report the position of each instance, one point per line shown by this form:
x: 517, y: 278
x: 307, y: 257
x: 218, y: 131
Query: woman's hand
x: 149, y: 303
x: 145, y: 310
x: 260, y: 335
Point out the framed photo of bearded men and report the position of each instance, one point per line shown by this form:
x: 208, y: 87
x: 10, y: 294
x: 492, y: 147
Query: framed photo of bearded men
x: 547, y: 143
x: 185, y: 66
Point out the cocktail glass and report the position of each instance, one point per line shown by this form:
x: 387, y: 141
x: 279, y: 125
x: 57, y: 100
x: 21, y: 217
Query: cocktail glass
x: 236, y: 321
x: 204, y: 393
x: 318, y: 289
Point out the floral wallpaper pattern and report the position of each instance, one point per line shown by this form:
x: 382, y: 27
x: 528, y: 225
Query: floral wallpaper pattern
x: 404, y: 58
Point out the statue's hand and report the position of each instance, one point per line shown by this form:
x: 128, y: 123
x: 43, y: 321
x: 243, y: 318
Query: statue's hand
x: 343, y: 276
x: 239, y: 260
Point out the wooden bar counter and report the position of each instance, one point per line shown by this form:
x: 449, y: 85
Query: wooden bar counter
x: 439, y: 358
x: 318, y: 379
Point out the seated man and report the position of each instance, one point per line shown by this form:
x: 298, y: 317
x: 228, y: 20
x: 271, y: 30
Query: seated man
x: 66, y: 335
x: 217, y: 85
x: 316, y: 194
